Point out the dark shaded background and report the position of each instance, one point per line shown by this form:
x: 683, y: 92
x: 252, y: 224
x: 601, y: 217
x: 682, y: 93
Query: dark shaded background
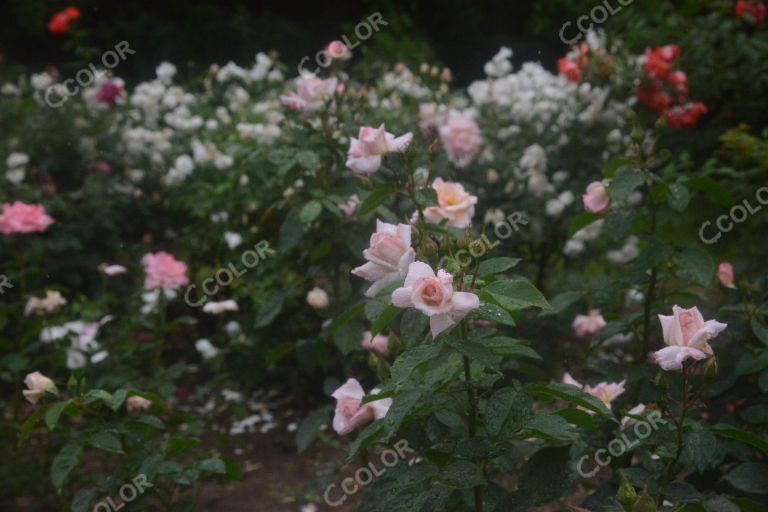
x: 193, y: 34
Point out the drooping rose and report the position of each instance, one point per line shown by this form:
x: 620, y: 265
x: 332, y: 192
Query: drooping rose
x: 23, y: 218
x: 725, y: 274
x: 378, y: 344
x: 351, y: 413
x: 585, y: 326
x: 596, y: 199
x: 433, y: 295
x: 389, y: 253
x: 37, y: 385
x: 164, y: 271
x: 317, y: 298
x: 606, y: 392
x: 454, y: 204
x: 368, y: 149
x: 461, y: 138
x: 311, y: 94
x: 686, y: 335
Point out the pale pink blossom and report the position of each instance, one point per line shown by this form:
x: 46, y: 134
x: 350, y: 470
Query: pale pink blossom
x: 350, y: 207
x: 311, y: 94
x: 37, y: 385
x: 686, y: 335
x: 366, y: 152
x: 164, y: 271
x: 596, y: 199
x: 23, y: 218
x: 378, y: 344
x: 586, y: 325
x: 454, y: 204
x: 725, y: 274
x: 112, y: 270
x: 389, y: 253
x: 461, y: 138
x: 433, y: 295
x: 351, y: 413
x: 136, y: 404
x: 217, y: 308
x: 49, y: 305
x: 317, y: 298
x: 606, y: 392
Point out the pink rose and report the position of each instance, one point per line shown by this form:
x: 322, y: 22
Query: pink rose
x: 460, y: 136
x: 350, y: 207
x: 37, y: 385
x: 725, y: 274
x: 596, y: 200
x: 388, y: 255
x: 23, y: 218
x: 606, y: 392
x: 350, y: 411
x: 378, y: 344
x: 338, y: 50
x: 164, y: 271
x: 686, y: 335
x: 586, y: 325
x: 433, y: 295
x: 311, y: 94
x: 570, y: 69
x: 455, y: 204
x: 366, y: 151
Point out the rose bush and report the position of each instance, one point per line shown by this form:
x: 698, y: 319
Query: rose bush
x: 506, y: 356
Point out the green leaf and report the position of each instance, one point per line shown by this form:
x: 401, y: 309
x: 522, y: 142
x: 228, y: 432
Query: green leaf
x: 214, y: 466
x: 364, y: 439
x: 573, y: 395
x: 624, y: 183
x: 310, y: 427
x: 678, y: 197
x: 700, y: 449
x: 30, y: 423
x: 581, y: 221
x: 760, y: 331
x: 311, y: 211
x: 408, y: 361
x: 83, y: 500
x: 106, y: 441
x: 579, y: 418
x: 117, y: 399
x: 751, y: 477
x: 730, y: 432
x: 756, y: 414
x: 516, y: 294
x: 561, y: 302
x: 346, y: 317
x: 462, y: 474
x: 609, y: 171
x: 476, y: 352
x: 308, y: 160
x: 385, y: 319
x: 493, y: 313
x: 374, y: 200
x: 270, y: 309
x: 292, y: 229
x: 715, y: 190
x: 695, y: 265
x: 426, y: 197
x: 619, y: 223
x: 64, y: 462
x: 550, y: 427
x: 547, y: 476
x: 179, y: 446
x: 507, y: 411
x: 496, y: 266
x: 510, y: 347
x: 54, y: 412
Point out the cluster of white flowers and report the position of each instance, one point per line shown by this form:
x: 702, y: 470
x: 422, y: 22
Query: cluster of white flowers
x: 83, y: 345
